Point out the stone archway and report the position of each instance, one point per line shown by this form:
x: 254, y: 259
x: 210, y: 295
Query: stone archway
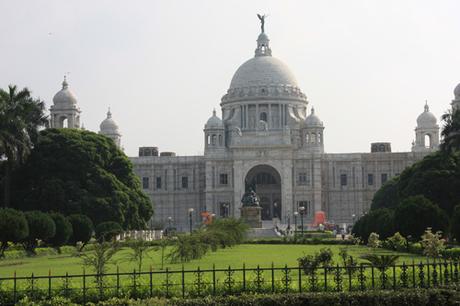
x: 266, y: 182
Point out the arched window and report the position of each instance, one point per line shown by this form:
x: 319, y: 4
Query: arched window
x: 427, y: 141
x: 307, y: 138
x: 213, y: 140
x: 208, y: 140
x: 263, y: 116
x: 313, y: 138
x: 220, y: 140
x: 319, y: 137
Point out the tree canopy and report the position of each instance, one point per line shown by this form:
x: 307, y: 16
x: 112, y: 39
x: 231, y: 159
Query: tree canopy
x: 20, y: 118
x: 80, y: 172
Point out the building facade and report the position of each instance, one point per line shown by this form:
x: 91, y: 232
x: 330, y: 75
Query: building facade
x: 268, y: 139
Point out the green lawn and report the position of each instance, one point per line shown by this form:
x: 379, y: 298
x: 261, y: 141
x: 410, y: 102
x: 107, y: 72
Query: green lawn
x: 250, y: 254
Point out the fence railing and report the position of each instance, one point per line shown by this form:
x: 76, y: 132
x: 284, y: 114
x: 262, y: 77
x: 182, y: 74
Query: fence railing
x: 184, y: 283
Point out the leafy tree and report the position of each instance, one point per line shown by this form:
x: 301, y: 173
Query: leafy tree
x: 74, y: 171
x: 455, y: 223
x: 13, y: 227
x: 20, y: 117
x: 106, y: 231
x: 139, y: 251
x: 63, y: 231
x: 82, y: 229
x: 451, y: 132
x: 397, y: 242
x: 380, y: 221
x: 387, y: 196
x: 41, y: 227
x: 432, y: 243
x: 373, y: 241
x: 417, y: 213
x: 98, y: 259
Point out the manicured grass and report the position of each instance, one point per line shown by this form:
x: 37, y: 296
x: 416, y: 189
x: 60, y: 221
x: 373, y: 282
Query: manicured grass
x: 249, y: 254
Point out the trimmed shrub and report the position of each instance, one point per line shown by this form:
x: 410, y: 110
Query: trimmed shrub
x: 13, y: 227
x: 453, y: 253
x: 107, y: 231
x: 63, y: 231
x: 41, y: 227
x: 417, y: 213
x: 82, y: 229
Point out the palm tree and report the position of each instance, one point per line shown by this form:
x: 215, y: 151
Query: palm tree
x: 451, y: 131
x: 20, y: 118
x: 381, y: 262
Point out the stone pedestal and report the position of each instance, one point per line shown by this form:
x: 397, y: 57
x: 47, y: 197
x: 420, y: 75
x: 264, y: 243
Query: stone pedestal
x: 252, y: 216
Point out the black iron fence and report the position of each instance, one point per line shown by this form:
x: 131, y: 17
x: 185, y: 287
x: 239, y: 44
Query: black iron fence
x: 184, y: 283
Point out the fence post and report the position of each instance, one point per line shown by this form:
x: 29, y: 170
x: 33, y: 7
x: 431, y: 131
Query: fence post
x: 428, y: 273
x: 372, y: 276
x: 84, y: 286
x: 118, y: 281
x: 66, y: 284
x: 49, y: 284
x: 134, y: 283
x: 213, y: 279
x: 300, y: 279
x: 32, y: 284
x: 273, y: 278
x: 244, y: 277
x: 413, y: 274
x: 325, y: 279
x: 151, y: 281
x: 14, y: 288
x: 394, y: 277
x: 183, y: 281
x: 348, y: 269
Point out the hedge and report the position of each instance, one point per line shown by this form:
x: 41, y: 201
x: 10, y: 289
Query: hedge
x: 419, y: 297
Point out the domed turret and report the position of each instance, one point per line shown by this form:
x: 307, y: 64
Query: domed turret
x: 214, y: 122
x: 313, y: 133
x: 312, y: 119
x: 426, y: 132
x: 214, y: 133
x: 426, y: 119
x: 109, y: 128
x: 457, y: 92
x: 64, y: 111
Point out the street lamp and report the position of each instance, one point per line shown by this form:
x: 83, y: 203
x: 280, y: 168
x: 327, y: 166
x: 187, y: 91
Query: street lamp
x: 289, y: 220
x: 190, y: 212
x: 295, y: 222
x: 169, y: 223
x: 301, y: 211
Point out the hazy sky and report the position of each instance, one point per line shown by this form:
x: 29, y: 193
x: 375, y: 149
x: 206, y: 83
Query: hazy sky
x: 162, y: 66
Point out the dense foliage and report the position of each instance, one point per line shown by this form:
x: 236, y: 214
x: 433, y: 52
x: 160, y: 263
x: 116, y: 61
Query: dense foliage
x: 20, y: 118
x: 107, y: 231
x: 415, y: 214
x: 41, y: 227
x: 82, y: 229
x: 63, y: 231
x: 80, y: 172
x: 379, y: 221
x: 455, y: 223
x: 13, y: 227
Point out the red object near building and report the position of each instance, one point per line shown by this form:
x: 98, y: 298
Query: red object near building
x: 320, y: 218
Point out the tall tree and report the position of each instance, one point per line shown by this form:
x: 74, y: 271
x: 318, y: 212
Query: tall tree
x: 451, y: 131
x: 21, y: 116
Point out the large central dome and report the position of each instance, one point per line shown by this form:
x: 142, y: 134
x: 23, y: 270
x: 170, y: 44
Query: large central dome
x: 263, y: 70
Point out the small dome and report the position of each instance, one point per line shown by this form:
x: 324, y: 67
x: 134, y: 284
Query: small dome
x: 457, y: 92
x: 263, y: 70
x: 312, y: 119
x: 426, y: 119
x: 214, y: 122
x: 65, y: 98
x: 108, y: 126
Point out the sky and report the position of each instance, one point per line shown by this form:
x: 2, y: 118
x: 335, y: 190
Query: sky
x: 162, y: 66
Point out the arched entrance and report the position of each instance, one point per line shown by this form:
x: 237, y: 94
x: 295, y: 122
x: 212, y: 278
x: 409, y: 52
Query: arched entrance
x: 266, y: 182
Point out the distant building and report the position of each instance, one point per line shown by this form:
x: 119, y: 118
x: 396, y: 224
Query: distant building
x: 269, y: 141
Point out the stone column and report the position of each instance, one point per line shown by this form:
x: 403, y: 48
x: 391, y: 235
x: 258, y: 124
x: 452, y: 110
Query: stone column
x: 238, y: 189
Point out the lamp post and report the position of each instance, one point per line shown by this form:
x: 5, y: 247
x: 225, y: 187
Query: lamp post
x: 289, y: 220
x: 295, y: 222
x: 190, y: 213
x: 169, y: 224
x: 301, y: 212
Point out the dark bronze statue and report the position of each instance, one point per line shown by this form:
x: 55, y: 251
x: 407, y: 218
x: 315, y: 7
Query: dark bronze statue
x: 250, y: 198
x: 262, y: 22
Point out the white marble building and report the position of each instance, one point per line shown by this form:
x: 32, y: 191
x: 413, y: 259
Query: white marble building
x: 268, y: 139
